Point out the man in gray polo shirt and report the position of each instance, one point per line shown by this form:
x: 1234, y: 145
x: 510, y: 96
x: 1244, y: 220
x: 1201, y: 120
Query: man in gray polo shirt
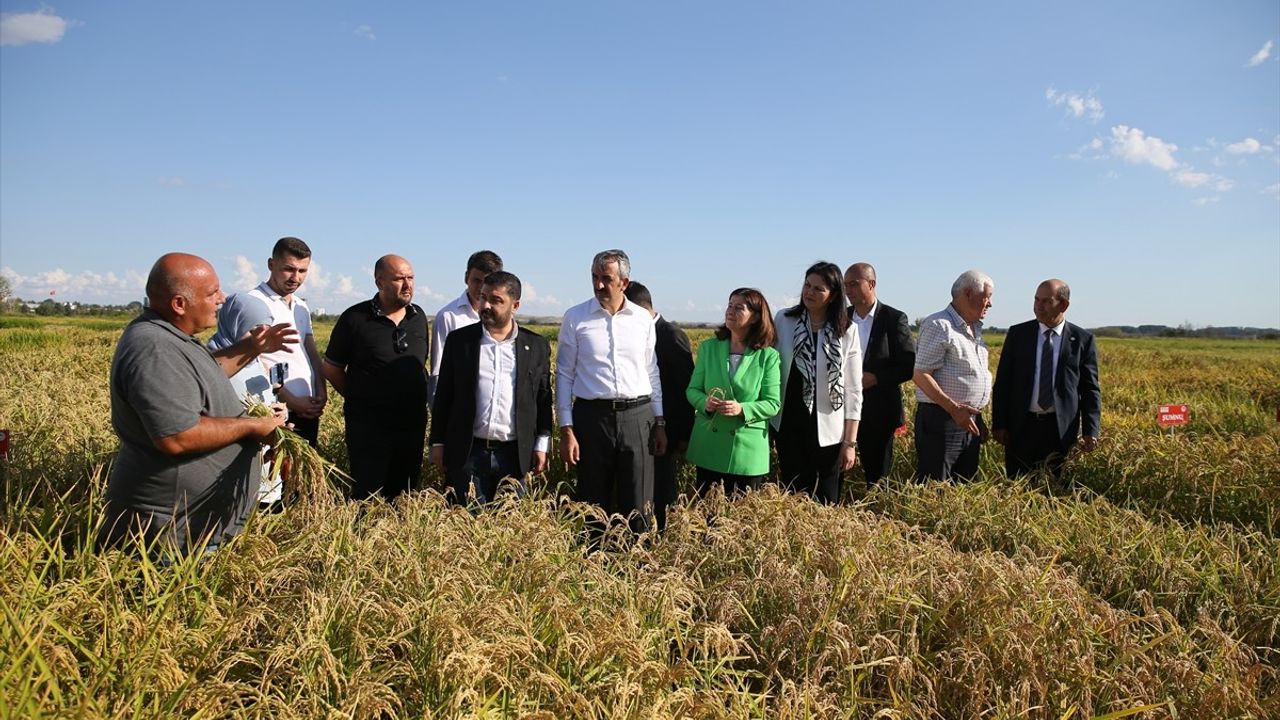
x: 953, y: 382
x: 188, y: 468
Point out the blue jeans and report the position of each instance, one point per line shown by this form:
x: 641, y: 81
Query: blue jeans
x: 484, y: 469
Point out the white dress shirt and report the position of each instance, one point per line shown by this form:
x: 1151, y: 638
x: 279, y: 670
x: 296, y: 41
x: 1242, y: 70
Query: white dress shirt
x: 603, y: 356
x: 496, y: 391
x: 456, y: 314
x: 864, y: 326
x: 1057, y: 350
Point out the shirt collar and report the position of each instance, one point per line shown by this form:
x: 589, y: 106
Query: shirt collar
x: 870, y: 313
x: 487, y: 339
x: 1057, y: 329
x: 959, y: 322
x: 628, y: 307
x: 410, y: 309
x: 266, y: 289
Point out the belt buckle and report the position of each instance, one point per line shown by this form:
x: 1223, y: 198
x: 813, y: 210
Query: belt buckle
x: 618, y: 404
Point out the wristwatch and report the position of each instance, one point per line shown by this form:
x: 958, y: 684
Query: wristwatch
x: 660, y: 421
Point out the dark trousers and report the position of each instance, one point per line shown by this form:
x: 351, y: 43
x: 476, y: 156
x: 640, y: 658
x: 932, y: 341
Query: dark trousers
x: 615, y: 467
x: 486, y: 467
x: 1034, y: 445
x: 385, y: 451
x: 664, y: 485
x: 804, y: 465
x: 733, y: 484
x: 308, y: 428
x: 875, y: 449
x: 944, y: 450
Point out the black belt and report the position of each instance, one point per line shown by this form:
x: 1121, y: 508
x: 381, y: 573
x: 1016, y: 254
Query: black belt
x: 617, y: 405
x: 488, y: 444
x: 1042, y: 413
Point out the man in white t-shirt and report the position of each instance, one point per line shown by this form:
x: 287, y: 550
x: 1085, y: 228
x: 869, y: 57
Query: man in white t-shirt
x: 273, y: 302
x: 463, y: 311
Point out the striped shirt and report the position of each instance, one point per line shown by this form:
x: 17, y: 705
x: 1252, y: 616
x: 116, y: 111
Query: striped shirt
x: 957, y: 360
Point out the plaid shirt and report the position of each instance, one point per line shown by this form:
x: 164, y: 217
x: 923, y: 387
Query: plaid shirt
x: 956, y: 360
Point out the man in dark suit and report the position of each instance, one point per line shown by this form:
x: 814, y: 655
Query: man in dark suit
x: 491, y: 414
x: 1046, y: 389
x: 888, y: 360
x: 675, y: 367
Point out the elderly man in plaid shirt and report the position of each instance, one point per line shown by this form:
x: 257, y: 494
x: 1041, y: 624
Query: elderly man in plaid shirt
x: 953, y: 382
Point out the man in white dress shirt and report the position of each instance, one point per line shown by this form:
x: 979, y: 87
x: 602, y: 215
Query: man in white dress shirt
x: 463, y: 311
x: 609, y: 395
x: 491, y: 415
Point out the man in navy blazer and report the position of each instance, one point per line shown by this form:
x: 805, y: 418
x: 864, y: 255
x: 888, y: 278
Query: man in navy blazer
x: 491, y: 414
x: 1046, y: 390
x: 888, y: 360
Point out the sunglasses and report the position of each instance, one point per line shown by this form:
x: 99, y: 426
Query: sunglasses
x: 401, y: 339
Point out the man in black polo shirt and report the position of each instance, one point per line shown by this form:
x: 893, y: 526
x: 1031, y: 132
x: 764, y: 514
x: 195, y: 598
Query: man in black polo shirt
x: 376, y: 360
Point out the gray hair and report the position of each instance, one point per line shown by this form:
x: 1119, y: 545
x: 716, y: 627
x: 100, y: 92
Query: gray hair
x: 613, y: 256
x: 972, y: 280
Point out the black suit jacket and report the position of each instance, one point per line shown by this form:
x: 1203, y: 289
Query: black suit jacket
x: 675, y: 366
x: 1077, y: 397
x: 453, y: 410
x: 891, y: 355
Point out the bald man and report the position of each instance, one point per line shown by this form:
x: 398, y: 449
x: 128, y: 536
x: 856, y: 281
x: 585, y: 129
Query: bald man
x: 376, y: 360
x: 188, y: 470
x: 1046, y: 391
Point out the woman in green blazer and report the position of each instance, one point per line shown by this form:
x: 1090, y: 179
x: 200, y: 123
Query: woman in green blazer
x: 735, y: 390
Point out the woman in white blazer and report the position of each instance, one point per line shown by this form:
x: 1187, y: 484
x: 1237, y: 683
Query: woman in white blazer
x: 816, y: 433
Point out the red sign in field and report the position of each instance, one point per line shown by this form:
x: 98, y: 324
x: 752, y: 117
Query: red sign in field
x: 1172, y: 415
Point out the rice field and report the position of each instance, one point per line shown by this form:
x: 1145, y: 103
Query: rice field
x: 1147, y: 587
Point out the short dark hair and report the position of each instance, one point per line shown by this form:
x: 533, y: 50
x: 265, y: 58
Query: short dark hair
x: 505, y: 280
x: 639, y: 294
x: 762, y: 333
x: 837, y: 308
x: 486, y: 261
x: 291, y: 246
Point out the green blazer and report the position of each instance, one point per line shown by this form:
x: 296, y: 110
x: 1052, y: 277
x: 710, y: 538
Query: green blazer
x: 734, y: 445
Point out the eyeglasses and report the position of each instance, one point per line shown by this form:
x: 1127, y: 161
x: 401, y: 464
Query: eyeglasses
x: 401, y: 340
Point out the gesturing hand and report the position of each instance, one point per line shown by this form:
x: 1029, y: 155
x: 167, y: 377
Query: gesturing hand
x: 270, y: 338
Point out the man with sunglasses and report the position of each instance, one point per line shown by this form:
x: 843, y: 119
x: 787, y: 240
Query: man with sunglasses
x: 376, y: 360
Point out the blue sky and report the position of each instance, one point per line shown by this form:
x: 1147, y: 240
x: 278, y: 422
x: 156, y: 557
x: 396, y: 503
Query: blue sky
x: 1130, y: 148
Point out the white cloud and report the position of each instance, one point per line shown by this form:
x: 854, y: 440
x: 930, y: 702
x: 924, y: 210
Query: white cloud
x: 1248, y: 146
x: 365, y: 32
x: 1089, y: 151
x: 1137, y: 147
x: 173, y: 181
x: 246, y: 274
x: 1272, y: 190
x: 107, y: 288
x: 1085, y: 106
x: 1190, y: 179
x: 1261, y: 56
x: 346, y: 287
x: 1204, y: 201
x: 530, y: 295
x: 41, y: 26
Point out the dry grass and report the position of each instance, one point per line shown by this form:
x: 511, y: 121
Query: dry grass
x: 978, y: 601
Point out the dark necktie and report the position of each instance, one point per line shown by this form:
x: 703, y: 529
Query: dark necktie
x: 1045, y: 399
